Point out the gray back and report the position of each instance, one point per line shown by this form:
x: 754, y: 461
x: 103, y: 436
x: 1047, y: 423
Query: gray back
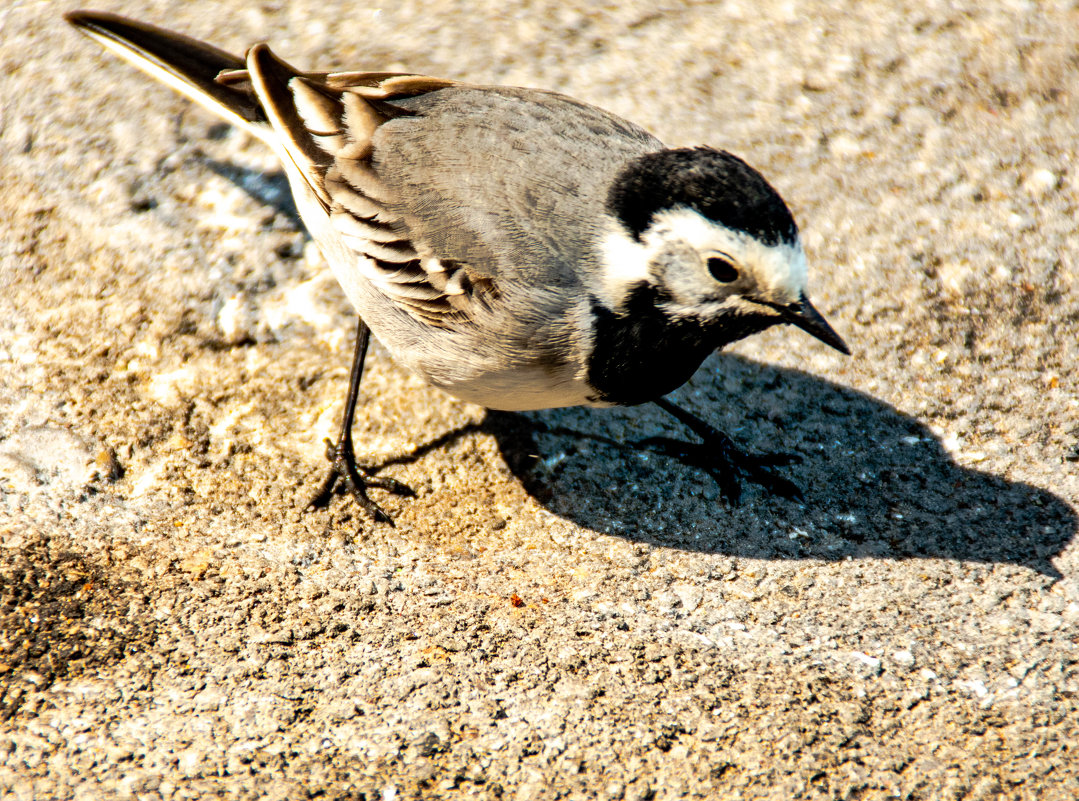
x: 520, y: 173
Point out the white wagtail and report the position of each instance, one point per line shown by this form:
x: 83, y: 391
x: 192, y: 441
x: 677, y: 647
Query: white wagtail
x: 515, y: 247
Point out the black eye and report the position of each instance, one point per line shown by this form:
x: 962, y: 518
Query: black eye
x: 722, y: 270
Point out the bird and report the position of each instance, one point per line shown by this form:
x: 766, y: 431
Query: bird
x: 514, y: 247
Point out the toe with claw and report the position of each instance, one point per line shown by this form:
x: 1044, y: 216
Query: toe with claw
x: 342, y: 456
x: 728, y: 464
x: 344, y: 470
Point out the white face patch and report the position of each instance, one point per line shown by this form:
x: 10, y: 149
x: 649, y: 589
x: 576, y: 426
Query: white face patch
x: 779, y: 270
x: 624, y: 263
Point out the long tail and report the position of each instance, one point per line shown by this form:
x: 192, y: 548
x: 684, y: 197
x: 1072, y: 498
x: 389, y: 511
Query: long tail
x: 187, y: 65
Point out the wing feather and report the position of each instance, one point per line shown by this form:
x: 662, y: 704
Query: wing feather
x: 401, y: 165
x: 326, y: 124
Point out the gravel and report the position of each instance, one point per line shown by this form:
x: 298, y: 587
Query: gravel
x: 556, y: 614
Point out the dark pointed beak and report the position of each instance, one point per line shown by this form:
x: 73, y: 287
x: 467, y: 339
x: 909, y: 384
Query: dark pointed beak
x: 806, y: 317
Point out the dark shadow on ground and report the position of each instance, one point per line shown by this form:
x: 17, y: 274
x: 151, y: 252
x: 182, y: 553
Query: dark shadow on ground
x: 877, y: 483
x: 269, y: 188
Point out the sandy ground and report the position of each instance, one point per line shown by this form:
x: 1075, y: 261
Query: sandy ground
x: 556, y: 614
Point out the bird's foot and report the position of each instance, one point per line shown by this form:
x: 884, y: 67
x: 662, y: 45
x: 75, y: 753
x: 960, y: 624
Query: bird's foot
x: 720, y: 457
x: 344, y: 470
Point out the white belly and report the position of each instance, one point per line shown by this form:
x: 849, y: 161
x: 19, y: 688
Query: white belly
x: 472, y: 366
x: 519, y: 391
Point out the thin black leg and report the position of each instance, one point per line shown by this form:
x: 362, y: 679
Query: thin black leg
x: 723, y: 459
x: 342, y: 456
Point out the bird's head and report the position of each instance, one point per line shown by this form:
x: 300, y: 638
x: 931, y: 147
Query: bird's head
x: 712, y: 241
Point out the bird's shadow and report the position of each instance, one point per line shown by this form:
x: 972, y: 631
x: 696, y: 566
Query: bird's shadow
x: 877, y: 483
x: 269, y: 188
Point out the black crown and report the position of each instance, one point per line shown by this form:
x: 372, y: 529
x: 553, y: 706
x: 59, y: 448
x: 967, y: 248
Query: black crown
x: 715, y: 183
